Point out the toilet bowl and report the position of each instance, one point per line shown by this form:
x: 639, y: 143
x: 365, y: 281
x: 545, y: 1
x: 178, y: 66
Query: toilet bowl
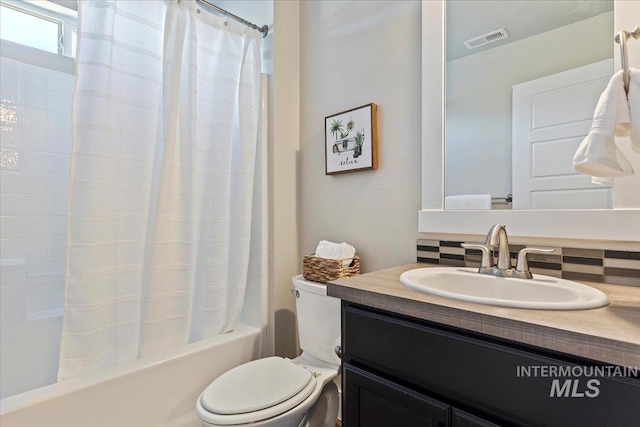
x: 281, y: 392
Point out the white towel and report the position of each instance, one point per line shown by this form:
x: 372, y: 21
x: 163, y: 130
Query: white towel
x: 634, y: 107
x: 598, y: 154
x: 330, y: 250
x: 468, y: 201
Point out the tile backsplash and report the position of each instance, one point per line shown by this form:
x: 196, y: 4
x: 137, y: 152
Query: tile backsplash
x: 594, y: 265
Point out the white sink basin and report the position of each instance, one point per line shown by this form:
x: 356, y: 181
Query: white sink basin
x: 541, y: 292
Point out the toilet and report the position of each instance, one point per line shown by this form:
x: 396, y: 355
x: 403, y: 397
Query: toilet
x: 281, y: 392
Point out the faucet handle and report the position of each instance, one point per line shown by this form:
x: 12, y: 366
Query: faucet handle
x: 522, y: 266
x: 487, y: 253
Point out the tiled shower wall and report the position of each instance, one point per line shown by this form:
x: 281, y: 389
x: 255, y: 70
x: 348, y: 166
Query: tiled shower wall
x: 595, y: 265
x: 35, y: 144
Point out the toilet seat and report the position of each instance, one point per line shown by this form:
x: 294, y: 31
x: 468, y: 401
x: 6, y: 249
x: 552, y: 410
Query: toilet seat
x: 255, y: 391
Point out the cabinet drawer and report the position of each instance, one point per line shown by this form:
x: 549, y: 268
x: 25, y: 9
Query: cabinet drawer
x: 378, y: 402
x: 508, y: 383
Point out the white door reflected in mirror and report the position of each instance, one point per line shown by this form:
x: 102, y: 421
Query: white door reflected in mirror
x: 551, y: 117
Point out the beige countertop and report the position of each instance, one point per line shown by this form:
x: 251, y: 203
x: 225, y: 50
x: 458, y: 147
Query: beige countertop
x: 609, y: 334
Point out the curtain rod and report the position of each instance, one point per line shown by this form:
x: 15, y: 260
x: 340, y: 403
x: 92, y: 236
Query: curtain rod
x: 215, y: 9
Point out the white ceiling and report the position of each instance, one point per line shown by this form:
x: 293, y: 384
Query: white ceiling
x: 467, y: 19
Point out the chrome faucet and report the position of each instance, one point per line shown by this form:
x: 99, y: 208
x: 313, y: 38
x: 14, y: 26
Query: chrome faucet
x: 497, y: 237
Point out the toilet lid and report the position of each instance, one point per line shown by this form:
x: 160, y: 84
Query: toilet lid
x: 256, y: 385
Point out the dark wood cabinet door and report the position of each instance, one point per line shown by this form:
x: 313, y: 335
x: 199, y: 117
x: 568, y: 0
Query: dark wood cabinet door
x: 372, y: 401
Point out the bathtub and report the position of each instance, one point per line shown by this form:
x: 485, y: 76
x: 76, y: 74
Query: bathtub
x: 158, y: 391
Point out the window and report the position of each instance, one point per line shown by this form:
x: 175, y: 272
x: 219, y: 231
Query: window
x: 32, y: 30
x: 45, y: 26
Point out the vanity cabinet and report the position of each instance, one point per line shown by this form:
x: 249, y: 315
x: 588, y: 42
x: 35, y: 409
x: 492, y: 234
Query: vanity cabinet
x: 401, y: 371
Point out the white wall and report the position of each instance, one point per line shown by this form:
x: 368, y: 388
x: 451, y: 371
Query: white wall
x: 478, y: 116
x: 353, y: 53
x: 34, y: 168
x: 285, y: 172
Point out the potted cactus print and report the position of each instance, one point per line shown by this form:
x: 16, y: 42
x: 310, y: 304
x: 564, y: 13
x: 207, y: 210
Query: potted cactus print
x: 351, y: 140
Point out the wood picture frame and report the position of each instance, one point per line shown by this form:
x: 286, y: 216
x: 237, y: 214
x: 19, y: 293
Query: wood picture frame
x: 351, y: 140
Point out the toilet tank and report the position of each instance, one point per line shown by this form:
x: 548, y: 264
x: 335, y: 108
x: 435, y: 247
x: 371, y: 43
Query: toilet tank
x: 318, y: 320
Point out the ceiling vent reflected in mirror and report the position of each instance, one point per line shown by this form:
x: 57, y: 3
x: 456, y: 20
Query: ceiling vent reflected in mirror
x: 487, y: 38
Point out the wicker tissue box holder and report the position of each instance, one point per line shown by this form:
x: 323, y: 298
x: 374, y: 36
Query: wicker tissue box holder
x: 326, y: 270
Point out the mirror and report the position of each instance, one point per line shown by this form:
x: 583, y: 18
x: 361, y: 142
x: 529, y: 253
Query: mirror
x: 618, y: 225
x: 522, y: 80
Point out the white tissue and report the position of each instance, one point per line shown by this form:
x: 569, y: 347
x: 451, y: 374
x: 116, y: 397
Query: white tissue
x: 330, y: 250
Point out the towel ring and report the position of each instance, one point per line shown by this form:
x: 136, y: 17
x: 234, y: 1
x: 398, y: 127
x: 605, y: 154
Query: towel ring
x: 622, y: 38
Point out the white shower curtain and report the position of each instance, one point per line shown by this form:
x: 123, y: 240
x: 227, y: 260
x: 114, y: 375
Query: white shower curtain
x: 165, y: 127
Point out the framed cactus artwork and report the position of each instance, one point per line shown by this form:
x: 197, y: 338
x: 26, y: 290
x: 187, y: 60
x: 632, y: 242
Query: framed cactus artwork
x: 351, y: 140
